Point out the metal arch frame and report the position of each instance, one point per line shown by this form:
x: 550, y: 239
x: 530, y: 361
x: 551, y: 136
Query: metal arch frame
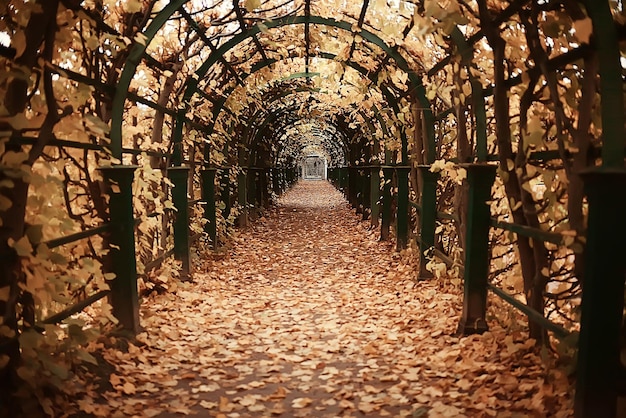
x: 389, y: 96
x: 278, y: 115
x: 163, y: 16
x: 273, y: 116
x: 253, y: 140
x: 324, y: 55
x: 328, y: 134
x: 336, y: 154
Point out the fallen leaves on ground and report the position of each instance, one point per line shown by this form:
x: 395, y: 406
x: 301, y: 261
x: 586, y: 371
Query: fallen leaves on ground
x: 309, y: 315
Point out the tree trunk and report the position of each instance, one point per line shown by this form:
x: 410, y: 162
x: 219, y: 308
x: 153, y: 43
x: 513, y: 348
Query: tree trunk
x: 41, y: 27
x: 528, y: 253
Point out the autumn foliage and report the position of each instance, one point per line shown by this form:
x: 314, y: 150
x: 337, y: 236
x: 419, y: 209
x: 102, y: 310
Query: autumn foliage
x: 247, y: 87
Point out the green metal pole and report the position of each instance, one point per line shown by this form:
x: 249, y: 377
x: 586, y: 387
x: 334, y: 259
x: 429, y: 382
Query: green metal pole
x: 242, y: 193
x: 124, y: 296
x: 428, y: 217
x: 386, y: 204
x: 352, y: 186
x: 208, y: 196
x: 366, y: 192
x: 253, y: 179
x: 225, y: 194
x: 606, y: 42
x: 177, y: 139
x: 480, y: 178
x: 375, y: 196
x: 599, y: 369
x: 359, y: 190
x: 264, y: 189
x: 275, y: 181
x: 402, y: 208
x: 180, y: 179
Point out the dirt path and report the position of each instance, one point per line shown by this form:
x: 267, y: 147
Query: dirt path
x: 310, y: 315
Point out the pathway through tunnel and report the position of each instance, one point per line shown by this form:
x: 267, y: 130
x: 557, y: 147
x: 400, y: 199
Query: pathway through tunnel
x: 309, y: 315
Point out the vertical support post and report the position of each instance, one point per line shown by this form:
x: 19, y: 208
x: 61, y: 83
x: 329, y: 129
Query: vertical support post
x: 402, y: 207
x: 225, y: 194
x: 242, y: 193
x: 208, y: 196
x: 177, y: 138
x: 480, y: 178
x: 359, y: 189
x: 375, y: 196
x: 179, y: 177
x: 386, y: 206
x: 366, y: 192
x: 352, y: 186
x: 428, y: 217
x: 264, y: 188
x: 283, y: 179
x: 253, y: 177
x: 598, y: 368
x: 124, y: 295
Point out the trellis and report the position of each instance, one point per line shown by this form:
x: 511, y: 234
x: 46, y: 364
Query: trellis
x: 389, y: 179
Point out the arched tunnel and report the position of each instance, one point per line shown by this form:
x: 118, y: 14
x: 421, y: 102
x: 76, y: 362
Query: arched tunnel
x: 312, y: 208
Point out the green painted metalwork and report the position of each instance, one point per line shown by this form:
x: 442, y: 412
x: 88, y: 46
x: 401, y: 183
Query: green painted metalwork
x: 253, y: 182
x: 480, y: 178
x: 123, y: 85
x: 225, y: 192
x: 177, y: 139
x: 428, y: 216
x: 611, y: 82
x: 528, y: 231
x: 599, y: 367
x: 402, y: 208
x: 414, y: 79
x: 375, y: 196
x: 124, y: 296
x: 326, y: 55
x: 385, y: 224
x: 366, y: 180
x: 179, y: 177
x: 210, y: 207
x: 57, y: 242
x: 558, y: 331
x: 242, y: 194
x: 300, y: 75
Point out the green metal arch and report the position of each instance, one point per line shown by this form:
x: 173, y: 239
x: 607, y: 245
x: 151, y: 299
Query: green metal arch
x: 391, y: 99
x: 163, y: 16
x: 268, y: 118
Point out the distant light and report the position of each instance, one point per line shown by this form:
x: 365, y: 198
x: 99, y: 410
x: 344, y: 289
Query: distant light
x: 623, y: 61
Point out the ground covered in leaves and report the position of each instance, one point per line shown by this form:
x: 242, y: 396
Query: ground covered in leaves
x: 309, y: 315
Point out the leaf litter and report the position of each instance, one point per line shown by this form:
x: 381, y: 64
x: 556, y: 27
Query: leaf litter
x: 310, y: 315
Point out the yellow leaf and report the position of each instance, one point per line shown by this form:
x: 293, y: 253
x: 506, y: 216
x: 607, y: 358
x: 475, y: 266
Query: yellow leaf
x: 133, y: 6
x: 129, y: 388
x: 22, y: 247
x: 251, y: 5
x: 225, y: 405
x: 301, y: 402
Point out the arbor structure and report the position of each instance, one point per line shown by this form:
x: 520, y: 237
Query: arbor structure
x: 131, y: 128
